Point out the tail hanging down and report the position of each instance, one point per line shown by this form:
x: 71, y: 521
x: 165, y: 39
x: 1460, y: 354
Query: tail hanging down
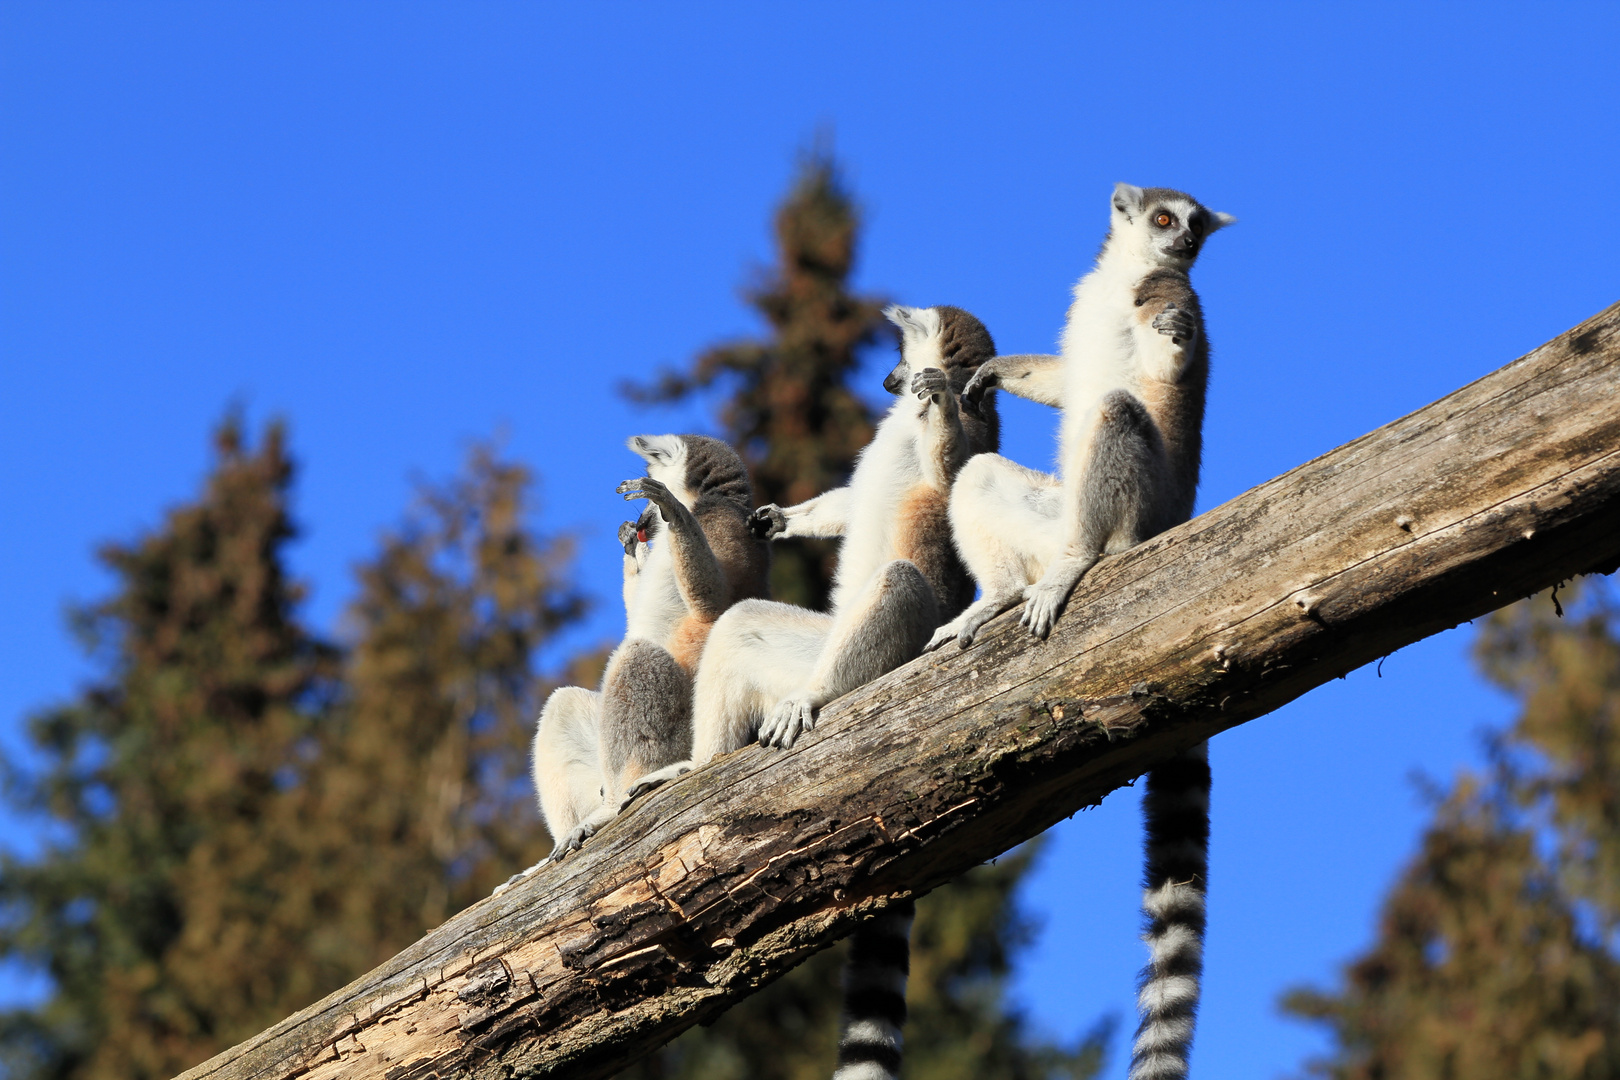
x: 1175, y: 810
x: 875, y: 996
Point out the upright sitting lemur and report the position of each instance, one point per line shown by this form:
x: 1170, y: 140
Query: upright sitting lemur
x: 688, y: 558
x: 1131, y: 385
x: 769, y: 667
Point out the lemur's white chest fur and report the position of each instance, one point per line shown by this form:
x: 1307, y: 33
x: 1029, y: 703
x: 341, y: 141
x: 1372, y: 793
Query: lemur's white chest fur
x: 657, y: 607
x: 888, y: 469
x: 1103, y: 350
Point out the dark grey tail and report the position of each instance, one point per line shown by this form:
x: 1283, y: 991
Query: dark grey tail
x: 1175, y: 810
x: 875, y: 996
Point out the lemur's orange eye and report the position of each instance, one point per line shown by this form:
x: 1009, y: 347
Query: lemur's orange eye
x: 1163, y: 218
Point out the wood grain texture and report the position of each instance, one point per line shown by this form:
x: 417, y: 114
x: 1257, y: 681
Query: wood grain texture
x: 722, y: 881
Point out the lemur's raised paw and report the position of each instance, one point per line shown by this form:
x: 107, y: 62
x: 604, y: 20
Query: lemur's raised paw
x: 790, y: 719
x: 645, y: 487
x: 930, y: 382
x: 628, y: 537
x: 1175, y: 323
x: 980, y: 384
x: 768, y: 522
x: 653, y: 780
x: 1043, y: 603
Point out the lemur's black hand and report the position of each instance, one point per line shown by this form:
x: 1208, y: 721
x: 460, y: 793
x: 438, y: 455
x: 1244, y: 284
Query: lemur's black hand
x: 1175, y: 323
x: 654, y: 491
x: 627, y: 537
x: 973, y: 393
x: 929, y: 382
x: 767, y: 522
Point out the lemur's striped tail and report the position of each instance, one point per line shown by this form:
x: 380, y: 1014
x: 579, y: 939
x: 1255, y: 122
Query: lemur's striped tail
x: 1175, y: 810
x: 875, y: 996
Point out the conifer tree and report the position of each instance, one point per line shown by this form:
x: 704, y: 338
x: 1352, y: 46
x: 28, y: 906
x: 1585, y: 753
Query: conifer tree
x: 423, y: 792
x: 1494, y: 960
x: 251, y: 817
x: 789, y: 406
x: 165, y: 909
x: 1561, y: 758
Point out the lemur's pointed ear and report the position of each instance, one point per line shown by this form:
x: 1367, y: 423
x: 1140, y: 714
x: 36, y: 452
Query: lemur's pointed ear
x: 1218, y: 220
x: 1127, y: 199
x: 902, y: 317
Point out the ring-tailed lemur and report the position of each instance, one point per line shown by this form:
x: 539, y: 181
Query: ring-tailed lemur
x: 1131, y: 383
x: 769, y: 667
x: 566, y: 758
x: 688, y: 558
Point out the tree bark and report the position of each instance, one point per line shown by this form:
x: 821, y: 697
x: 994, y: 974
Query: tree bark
x: 724, y: 880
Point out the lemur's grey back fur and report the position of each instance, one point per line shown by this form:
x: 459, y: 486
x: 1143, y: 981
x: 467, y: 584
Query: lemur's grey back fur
x: 718, y: 476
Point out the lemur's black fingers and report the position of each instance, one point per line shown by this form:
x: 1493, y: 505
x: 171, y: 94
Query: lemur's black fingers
x: 643, y: 487
x: 975, y: 390
x: 971, y: 398
x: 929, y: 381
x: 627, y: 537
x: 767, y: 521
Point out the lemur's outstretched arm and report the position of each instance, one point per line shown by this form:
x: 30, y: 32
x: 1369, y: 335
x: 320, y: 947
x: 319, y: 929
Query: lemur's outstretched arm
x: 697, y: 572
x: 1035, y: 376
x: 825, y: 516
x: 944, y: 446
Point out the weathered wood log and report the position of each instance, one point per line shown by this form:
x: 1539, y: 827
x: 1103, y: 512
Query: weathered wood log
x: 724, y: 880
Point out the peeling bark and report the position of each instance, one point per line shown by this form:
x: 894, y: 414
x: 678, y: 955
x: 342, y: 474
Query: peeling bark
x: 724, y: 880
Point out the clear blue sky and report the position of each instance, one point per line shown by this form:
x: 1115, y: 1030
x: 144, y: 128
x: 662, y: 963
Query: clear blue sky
x: 407, y: 226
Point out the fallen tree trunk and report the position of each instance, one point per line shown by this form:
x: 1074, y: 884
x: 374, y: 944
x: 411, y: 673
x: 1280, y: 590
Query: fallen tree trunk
x: 724, y: 880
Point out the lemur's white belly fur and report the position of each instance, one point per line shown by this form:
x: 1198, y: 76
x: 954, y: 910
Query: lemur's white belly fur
x: 885, y: 472
x: 657, y: 607
x: 1100, y: 355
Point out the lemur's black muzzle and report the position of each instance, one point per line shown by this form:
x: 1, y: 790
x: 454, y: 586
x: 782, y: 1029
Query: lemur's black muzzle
x: 647, y: 524
x: 895, y: 381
